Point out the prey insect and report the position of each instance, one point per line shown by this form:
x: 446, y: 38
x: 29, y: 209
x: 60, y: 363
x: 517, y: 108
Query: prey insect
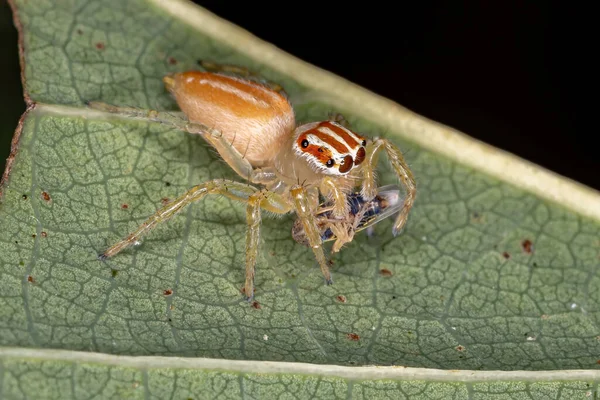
x: 287, y: 167
x: 362, y: 215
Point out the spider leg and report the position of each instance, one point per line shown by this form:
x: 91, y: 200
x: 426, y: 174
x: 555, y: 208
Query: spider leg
x: 240, y: 71
x: 400, y: 167
x: 308, y: 219
x: 266, y: 200
x: 255, y: 199
x: 179, y: 121
x: 235, y: 190
x: 341, y: 208
x: 340, y: 119
x: 344, y: 233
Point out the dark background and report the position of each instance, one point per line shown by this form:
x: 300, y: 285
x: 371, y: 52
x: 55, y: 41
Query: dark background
x: 510, y: 73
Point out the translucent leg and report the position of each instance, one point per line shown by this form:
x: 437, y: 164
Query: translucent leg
x: 344, y: 233
x: 340, y: 202
x: 307, y: 217
x: 261, y: 200
x: 179, y: 121
x: 235, y: 190
x: 340, y: 119
x: 369, y: 189
x: 240, y: 71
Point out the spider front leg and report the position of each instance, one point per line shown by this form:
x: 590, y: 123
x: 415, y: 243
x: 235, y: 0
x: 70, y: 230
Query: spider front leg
x: 308, y: 219
x: 396, y: 159
x: 337, y: 196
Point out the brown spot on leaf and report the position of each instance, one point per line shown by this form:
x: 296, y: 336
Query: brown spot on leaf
x: 476, y: 217
x: 45, y: 196
x: 172, y: 60
x: 506, y: 255
x: 164, y: 201
x: 256, y: 305
x: 460, y: 348
x: 341, y: 298
x: 527, y: 246
x: 353, y: 336
x: 168, y: 292
x: 34, y: 236
x: 30, y: 279
x: 79, y: 31
x: 100, y: 46
x: 44, y: 234
x: 124, y: 206
x: 24, y: 197
x: 385, y: 272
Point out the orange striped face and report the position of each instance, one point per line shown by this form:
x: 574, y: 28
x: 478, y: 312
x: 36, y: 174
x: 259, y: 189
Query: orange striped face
x: 330, y: 148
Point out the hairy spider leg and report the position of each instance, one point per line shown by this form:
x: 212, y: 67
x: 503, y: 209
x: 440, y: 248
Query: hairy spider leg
x: 306, y: 214
x: 400, y: 167
x: 256, y: 200
x: 340, y: 119
x: 328, y: 187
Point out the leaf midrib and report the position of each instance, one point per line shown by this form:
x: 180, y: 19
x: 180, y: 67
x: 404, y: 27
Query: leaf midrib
x: 399, y: 373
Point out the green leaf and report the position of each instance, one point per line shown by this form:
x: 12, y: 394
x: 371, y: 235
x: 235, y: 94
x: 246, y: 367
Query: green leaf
x: 462, y: 291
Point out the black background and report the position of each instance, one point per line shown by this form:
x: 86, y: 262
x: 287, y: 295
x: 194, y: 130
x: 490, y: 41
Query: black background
x: 510, y: 73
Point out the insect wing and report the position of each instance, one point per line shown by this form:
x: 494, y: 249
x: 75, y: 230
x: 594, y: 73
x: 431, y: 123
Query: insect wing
x: 388, y: 202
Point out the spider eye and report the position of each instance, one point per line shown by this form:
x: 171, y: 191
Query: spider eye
x: 330, y: 163
x: 364, y: 143
x: 304, y: 143
x: 360, y: 156
x: 347, y: 164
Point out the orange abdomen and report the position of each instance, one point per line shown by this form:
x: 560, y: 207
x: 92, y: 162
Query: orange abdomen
x: 254, y: 118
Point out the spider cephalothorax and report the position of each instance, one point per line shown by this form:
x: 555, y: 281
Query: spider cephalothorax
x: 330, y: 147
x: 252, y: 126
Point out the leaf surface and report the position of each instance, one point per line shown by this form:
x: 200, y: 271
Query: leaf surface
x: 485, y: 276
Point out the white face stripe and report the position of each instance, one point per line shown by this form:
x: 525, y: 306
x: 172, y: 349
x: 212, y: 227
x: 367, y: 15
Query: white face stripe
x: 352, y: 134
x: 332, y: 134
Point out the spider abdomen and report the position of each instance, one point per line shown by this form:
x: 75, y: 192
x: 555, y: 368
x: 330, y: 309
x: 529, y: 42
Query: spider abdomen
x: 254, y: 118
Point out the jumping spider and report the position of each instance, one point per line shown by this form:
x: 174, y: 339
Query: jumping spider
x: 251, y: 124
